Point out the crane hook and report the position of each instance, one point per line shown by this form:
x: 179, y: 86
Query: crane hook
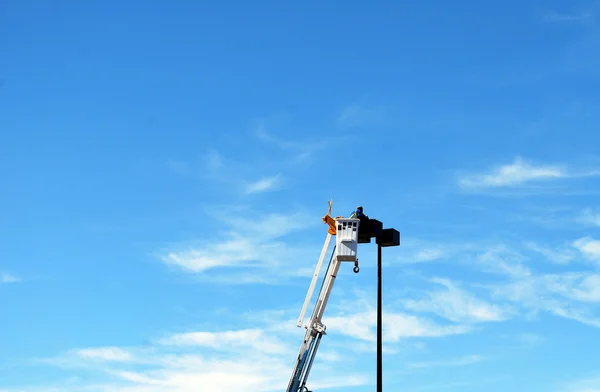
x: 356, y: 268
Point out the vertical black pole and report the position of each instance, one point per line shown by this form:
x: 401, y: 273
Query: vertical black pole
x: 379, y: 346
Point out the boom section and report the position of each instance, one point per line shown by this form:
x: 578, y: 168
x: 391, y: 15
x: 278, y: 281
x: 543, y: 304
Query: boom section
x: 345, y: 250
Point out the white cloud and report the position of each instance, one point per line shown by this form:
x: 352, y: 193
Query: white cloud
x: 357, y: 115
x: 5, y: 277
x: 430, y: 254
x: 530, y: 339
x: 179, y: 167
x: 262, y: 134
x: 558, y: 256
x: 331, y: 356
x: 452, y: 362
x: 235, y: 252
x: 521, y: 290
x: 566, y: 295
x: 561, y: 17
x: 251, y: 249
x: 249, y: 359
x: 255, y: 339
x: 517, y: 173
x: 407, y: 326
x: 295, y: 150
x: 589, y: 217
x: 589, y: 247
x: 591, y: 384
x: 272, y: 225
x: 414, y: 250
x: 500, y: 259
x: 214, y: 161
x: 244, y: 177
x: 266, y: 184
x: 396, y: 326
x: 457, y: 305
x: 115, y: 354
x: 583, y: 287
x: 210, y: 164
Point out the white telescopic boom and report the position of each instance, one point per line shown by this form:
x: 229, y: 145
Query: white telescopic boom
x: 345, y: 250
x: 316, y: 274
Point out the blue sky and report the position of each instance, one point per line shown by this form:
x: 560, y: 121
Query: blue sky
x: 165, y: 168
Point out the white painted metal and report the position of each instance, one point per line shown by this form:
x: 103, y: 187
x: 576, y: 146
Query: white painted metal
x: 346, y: 242
x: 311, y: 288
x: 347, y: 238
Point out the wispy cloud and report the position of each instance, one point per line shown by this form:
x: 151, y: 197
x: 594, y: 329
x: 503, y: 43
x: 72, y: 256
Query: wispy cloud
x: 294, y: 150
x: 266, y: 184
x: 414, y: 250
x: 530, y: 339
x: 518, y: 291
x: 430, y: 254
x: 255, y: 359
x: 358, y: 115
x: 517, y: 173
x: 522, y: 174
x: 589, y: 248
x: 178, y: 166
x: 209, y: 165
x: 357, y: 319
x: 362, y: 326
x: 589, y: 217
x: 230, y: 340
x: 562, y: 255
x: 564, y: 294
x: 567, y: 295
x: 502, y: 260
x: 5, y: 277
x: 112, y: 354
x: 251, y: 249
x: 590, y: 384
x: 452, y: 362
x: 564, y: 17
x: 213, y: 161
x: 457, y: 305
x: 265, y: 136
x: 578, y: 286
x: 243, y: 177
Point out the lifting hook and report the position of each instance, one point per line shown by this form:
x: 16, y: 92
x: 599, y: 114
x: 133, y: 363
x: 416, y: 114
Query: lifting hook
x: 356, y: 268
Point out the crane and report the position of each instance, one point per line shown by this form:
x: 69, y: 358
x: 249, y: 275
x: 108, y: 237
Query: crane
x: 349, y: 232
